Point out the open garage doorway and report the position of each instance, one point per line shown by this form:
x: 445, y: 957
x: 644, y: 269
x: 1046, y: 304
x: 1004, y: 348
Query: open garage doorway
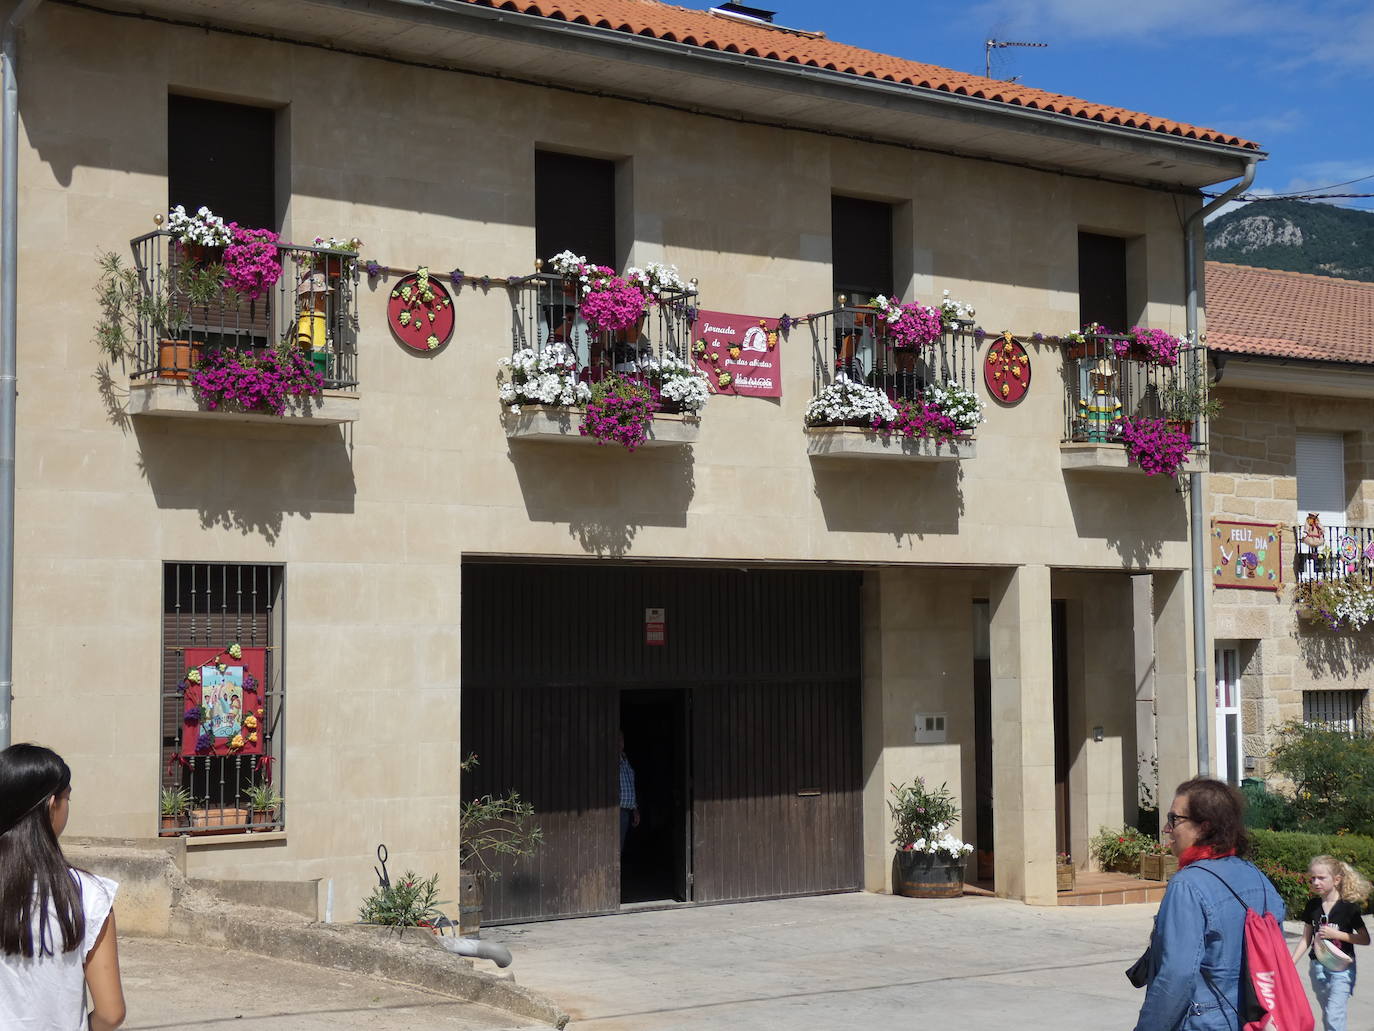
x: 656, y: 859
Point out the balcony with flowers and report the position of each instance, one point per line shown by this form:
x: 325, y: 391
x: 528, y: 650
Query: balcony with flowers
x: 601, y: 358
x: 216, y: 321
x: 1134, y: 401
x: 894, y: 381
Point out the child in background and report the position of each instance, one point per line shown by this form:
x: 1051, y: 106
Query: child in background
x: 1333, y: 917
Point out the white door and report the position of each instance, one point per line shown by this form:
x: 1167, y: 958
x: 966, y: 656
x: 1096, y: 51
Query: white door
x: 1230, y: 765
x: 1321, y: 494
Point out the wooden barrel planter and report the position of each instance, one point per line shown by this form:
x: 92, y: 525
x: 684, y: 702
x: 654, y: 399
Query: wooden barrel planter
x: 469, y: 904
x: 1064, y: 876
x: 1158, y: 868
x: 927, y: 875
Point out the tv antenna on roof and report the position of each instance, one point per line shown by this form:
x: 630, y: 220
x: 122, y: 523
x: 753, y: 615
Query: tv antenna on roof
x: 997, y: 44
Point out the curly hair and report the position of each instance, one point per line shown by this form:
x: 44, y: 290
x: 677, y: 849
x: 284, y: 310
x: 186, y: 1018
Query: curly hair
x: 1218, y: 811
x: 1354, y: 887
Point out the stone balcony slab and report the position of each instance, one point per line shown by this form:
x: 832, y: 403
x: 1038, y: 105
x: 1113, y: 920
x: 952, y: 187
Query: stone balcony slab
x: 551, y: 424
x: 855, y: 443
x: 1097, y: 457
x: 174, y: 398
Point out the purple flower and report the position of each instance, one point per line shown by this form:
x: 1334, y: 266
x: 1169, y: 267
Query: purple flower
x: 251, y: 265
x: 191, y: 715
x: 204, y: 742
x: 456, y: 277
x: 373, y: 270
x: 784, y: 323
x: 1038, y: 337
x: 979, y: 334
x: 1162, y: 347
x: 1155, y: 445
x: 254, y: 381
x: 623, y: 415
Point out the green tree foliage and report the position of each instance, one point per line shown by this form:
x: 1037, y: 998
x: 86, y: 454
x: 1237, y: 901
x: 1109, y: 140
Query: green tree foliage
x: 1332, y: 775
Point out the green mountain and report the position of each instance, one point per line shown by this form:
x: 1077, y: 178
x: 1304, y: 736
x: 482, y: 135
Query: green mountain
x: 1296, y: 236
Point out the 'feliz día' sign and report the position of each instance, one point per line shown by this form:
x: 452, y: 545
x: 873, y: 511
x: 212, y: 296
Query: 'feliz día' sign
x: 1247, y: 555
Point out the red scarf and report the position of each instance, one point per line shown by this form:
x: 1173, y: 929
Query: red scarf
x: 1196, y: 852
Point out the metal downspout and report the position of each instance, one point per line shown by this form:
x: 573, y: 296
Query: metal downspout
x: 9, y: 364
x: 1196, y: 501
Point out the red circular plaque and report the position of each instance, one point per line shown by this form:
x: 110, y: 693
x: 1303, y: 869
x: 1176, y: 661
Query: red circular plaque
x: 1007, y: 370
x: 421, y: 315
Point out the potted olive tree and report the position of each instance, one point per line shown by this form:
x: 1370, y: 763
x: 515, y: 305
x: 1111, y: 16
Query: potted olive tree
x: 930, y: 860
x: 131, y: 300
x: 489, y: 826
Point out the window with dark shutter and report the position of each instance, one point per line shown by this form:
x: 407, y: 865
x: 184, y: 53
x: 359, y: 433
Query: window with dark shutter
x: 1102, y: 281
x: 574, y: 207
x: 222, y: 156
x: 861, y: 248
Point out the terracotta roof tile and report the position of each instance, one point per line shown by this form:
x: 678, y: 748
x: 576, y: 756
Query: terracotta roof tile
x: 713, y: 32
x: 1289, y: 314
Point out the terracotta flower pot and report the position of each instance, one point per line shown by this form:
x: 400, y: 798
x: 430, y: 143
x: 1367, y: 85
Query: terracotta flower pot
x: 219, y: 820
x: 171, y: 826
x: 176, y: 358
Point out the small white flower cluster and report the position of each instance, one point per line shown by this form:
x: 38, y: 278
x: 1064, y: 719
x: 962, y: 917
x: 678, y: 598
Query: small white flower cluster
x: 845, y: 401
x: 547, y: 377
x: 952, y: 309
x: 959, y: 404
x: 204, y: 227
x: 948, y: 844
x: 890, y: 308
x: 1356, y: 606
x: 677, y: 381
x: 655, y: 277
x: 566, y: 263
x: 333, y: 243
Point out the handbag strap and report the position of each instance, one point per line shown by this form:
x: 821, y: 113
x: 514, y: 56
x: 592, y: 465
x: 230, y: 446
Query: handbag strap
x: 1203, y: 970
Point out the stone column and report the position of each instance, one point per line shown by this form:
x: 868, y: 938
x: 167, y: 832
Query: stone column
x: 1174, y: 717
x: 1023, y: 735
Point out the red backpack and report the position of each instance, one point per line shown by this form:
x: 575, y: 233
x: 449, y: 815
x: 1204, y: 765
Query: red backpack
x: 1272, y: 994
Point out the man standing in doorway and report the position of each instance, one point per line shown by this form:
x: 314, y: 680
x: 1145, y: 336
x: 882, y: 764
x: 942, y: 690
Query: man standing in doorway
x: 629, y: 804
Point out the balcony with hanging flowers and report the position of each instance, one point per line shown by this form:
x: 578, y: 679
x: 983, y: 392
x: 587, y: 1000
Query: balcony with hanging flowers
x: 217, y: 321
x: 601, y: 358
x: 1134, y: 401
x: 894, y: 381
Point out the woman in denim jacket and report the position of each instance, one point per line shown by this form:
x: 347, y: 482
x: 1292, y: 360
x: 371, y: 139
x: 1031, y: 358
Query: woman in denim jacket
x: 1195, y: 951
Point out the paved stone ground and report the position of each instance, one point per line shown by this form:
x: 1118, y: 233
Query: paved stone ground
x: 840, y: 962
x: 171, y: 985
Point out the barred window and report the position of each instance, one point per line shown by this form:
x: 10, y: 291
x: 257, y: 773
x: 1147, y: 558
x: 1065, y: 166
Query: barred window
x: 1339, y: 710
x: 223, y: 689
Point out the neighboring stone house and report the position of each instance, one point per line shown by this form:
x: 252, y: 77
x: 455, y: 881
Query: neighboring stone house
x: 783, y: 620
x: 1293, y: 360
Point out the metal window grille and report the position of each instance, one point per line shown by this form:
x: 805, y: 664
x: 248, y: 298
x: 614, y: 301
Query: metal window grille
x: 1336, y: 710
x: 547, y: 311
x: 313, y: 307
x: 1105, y: 382
x: 1333, y: 552
x: 852, y: 342
x: 212, y: 605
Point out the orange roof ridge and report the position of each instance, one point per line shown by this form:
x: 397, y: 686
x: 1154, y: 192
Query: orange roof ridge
x: 657, y: 20
x: 1279, y: 314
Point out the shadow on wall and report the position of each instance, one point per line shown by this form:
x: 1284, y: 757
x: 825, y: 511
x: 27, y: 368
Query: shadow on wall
x: 905, y: 499
x: 1337, y: 654
x: 603, y: 492
x: 1135, y: 514
x: 246, y: 477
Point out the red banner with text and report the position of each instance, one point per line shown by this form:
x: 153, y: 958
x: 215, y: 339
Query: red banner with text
x: 738, y: 353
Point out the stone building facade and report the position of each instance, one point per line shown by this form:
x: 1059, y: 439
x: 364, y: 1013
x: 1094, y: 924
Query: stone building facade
x: 1019, y: 621
x: 1292, y: 356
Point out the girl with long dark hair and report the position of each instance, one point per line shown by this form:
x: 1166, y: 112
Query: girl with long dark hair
x: 57, y: 927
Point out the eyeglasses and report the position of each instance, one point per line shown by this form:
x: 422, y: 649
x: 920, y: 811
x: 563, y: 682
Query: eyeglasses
x: 1174, y: 818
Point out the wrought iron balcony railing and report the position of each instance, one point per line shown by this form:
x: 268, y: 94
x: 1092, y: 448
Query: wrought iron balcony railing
x: 852, y: 341
x: 312, y: 306
x: 1332, y: 552
x: 547, y: 311
x: 1107, y: 380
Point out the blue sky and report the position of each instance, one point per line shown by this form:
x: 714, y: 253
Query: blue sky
x: 1297, y: 77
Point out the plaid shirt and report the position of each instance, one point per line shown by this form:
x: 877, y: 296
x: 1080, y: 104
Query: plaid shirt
x: 627, y: 784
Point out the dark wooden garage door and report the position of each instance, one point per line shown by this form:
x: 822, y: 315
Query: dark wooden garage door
x: 776, y: 789
x: 771, y: 659
x: 557, y: 747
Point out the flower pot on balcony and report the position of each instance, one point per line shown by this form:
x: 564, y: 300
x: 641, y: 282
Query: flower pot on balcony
x: 265, y: 816
x: 929, y: 875
x: 176, y: 358
x: 171, y: 826
x: 1077, y: 350
x: 219, y: 820
x: 201, y: 254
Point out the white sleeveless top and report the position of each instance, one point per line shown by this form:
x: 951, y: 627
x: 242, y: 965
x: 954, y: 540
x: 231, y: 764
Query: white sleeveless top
x: 48, y: 993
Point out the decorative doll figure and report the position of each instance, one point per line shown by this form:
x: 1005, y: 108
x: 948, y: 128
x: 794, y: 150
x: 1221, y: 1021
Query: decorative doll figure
x: 1310, y: 544
x: 1100, y: 406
